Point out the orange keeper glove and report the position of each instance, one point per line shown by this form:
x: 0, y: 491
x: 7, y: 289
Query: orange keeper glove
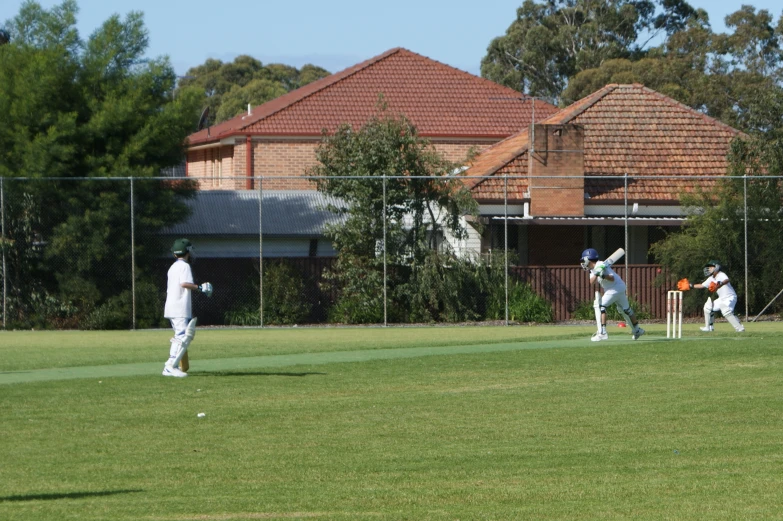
x: 684, y: 285
x: 714, y: 286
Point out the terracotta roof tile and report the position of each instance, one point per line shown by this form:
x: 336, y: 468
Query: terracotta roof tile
x: 440, y: 100
x: 629, y: 129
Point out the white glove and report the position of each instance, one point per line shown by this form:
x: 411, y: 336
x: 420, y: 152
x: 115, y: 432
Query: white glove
x: 206, y: 288
x: 599, y: 268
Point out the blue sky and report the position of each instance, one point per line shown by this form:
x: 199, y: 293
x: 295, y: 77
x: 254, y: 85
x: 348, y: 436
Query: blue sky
x: 333, y: 35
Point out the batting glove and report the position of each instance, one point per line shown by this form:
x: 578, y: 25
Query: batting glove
x: 599, y: 269
x: 206, y: 288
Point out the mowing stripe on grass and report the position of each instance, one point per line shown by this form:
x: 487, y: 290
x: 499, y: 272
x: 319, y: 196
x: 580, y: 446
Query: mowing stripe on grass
x: 275, y: 361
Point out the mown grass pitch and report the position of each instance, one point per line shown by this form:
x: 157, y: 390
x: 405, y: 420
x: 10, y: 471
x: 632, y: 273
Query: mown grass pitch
x: 389, y: 424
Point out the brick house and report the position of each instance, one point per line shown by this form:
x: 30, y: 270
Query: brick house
x: 455, y: 110
x: 570, y: 174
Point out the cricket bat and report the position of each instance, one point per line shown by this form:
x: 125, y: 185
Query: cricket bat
x: 184, y: 363
x: 616, y: 256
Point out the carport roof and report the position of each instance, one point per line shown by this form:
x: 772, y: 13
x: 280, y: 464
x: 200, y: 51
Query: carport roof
x: 284, y: 213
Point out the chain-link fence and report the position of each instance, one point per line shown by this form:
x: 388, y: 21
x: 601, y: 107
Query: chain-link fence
x: 93, y: 253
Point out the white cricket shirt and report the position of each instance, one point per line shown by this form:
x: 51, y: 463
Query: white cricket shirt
x: 726, y: 289
x: 178, y: 300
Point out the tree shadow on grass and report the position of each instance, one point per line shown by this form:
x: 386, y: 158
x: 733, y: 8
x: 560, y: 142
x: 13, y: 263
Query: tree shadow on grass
x: 252, y: 373
x: 65, y: 495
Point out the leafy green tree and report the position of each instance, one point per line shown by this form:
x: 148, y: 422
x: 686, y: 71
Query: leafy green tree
x: 256, y: 92
x: 229, y: 87
x: 84, y: 109
x: 716, y: 217
x: 550, y: 42
x: 417, y: 212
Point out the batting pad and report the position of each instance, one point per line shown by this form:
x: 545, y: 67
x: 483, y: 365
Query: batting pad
x: 190, y: 332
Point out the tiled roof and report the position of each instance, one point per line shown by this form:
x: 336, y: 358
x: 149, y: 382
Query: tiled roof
x: 628, y: 129
x: 440, y: 100
x: 285, y: 213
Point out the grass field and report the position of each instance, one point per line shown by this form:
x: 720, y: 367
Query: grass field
x: 472, y: 423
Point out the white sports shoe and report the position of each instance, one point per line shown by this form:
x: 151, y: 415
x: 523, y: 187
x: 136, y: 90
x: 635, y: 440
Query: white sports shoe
x: 597, y: 337
x: 707, y: 329
x: 637, y: 333
x: 173, y: 371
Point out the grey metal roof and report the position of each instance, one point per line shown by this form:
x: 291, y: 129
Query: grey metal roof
x: 285, y: 213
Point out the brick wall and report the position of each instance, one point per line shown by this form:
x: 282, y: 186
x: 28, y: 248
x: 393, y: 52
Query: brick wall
x: 556, y: 170
x: 289, y: 159
x: 284, y: 161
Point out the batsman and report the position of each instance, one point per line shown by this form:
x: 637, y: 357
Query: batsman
x: 726, y: 299
x: 601, y: 272
x: 179, y: 307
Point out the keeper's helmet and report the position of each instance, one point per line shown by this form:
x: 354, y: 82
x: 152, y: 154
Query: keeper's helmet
x: 711, y: 264
x: 181, y: 247
x: 590, y: 254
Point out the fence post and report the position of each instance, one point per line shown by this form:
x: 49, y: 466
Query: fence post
x: 5, y: 272
x: 505, y: 235
x: 745, y: 190
x: 133, y: 253
x: 627, y: 277
x: 260, y: 252
x: 385, y: 318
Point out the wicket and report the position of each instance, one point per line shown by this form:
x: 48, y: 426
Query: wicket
x: 673, y: 314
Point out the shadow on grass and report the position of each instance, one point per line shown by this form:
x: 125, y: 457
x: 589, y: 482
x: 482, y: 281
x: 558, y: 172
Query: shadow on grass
x: 252, y: 373
x: 65, y: 495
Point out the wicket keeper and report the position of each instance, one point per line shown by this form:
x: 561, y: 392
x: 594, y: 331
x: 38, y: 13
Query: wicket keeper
x: 725, y: 300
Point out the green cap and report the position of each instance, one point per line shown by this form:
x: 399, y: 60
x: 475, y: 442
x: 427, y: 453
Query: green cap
x: 712, y: 262
x: 181, y: 247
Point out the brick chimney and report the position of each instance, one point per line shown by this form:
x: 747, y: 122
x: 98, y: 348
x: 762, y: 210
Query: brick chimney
x: 556, y: 171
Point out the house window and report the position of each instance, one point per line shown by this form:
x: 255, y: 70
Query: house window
x: 313, y: 251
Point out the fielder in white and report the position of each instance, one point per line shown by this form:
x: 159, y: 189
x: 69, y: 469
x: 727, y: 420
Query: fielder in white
x: 614, y: 293
x: 179, y: 307
x: 725, y: 300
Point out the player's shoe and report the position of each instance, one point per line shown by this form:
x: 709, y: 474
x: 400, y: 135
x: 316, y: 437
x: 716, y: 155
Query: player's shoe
x: 707, y: 329
x: 597, y: 337
x: 637, y: 333
x: 173, y: 371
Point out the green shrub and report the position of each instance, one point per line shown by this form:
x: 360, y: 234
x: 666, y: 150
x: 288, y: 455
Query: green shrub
x: 524, y: 305
x: 117, y: 312
x: 360, y: 299
x: 285, y: 301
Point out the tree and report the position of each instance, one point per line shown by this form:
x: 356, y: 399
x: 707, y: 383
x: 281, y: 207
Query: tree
x: 245, y: 80
x: 256, y: 92
x: 356, y: 166
x: 89, y: 109
x: 551, y: 42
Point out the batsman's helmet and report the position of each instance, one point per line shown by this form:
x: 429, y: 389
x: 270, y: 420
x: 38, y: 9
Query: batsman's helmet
x: 181, y: 247
x: 590, y: 254
x: 711, y: 264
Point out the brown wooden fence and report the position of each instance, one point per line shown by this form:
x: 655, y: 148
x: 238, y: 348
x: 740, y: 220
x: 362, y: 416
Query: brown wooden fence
x: 566, y: 286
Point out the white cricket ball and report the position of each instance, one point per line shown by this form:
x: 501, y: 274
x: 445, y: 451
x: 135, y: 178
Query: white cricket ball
x: 201, y: 414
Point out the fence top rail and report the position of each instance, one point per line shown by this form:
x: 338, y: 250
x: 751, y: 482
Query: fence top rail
x: 446, y: 177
